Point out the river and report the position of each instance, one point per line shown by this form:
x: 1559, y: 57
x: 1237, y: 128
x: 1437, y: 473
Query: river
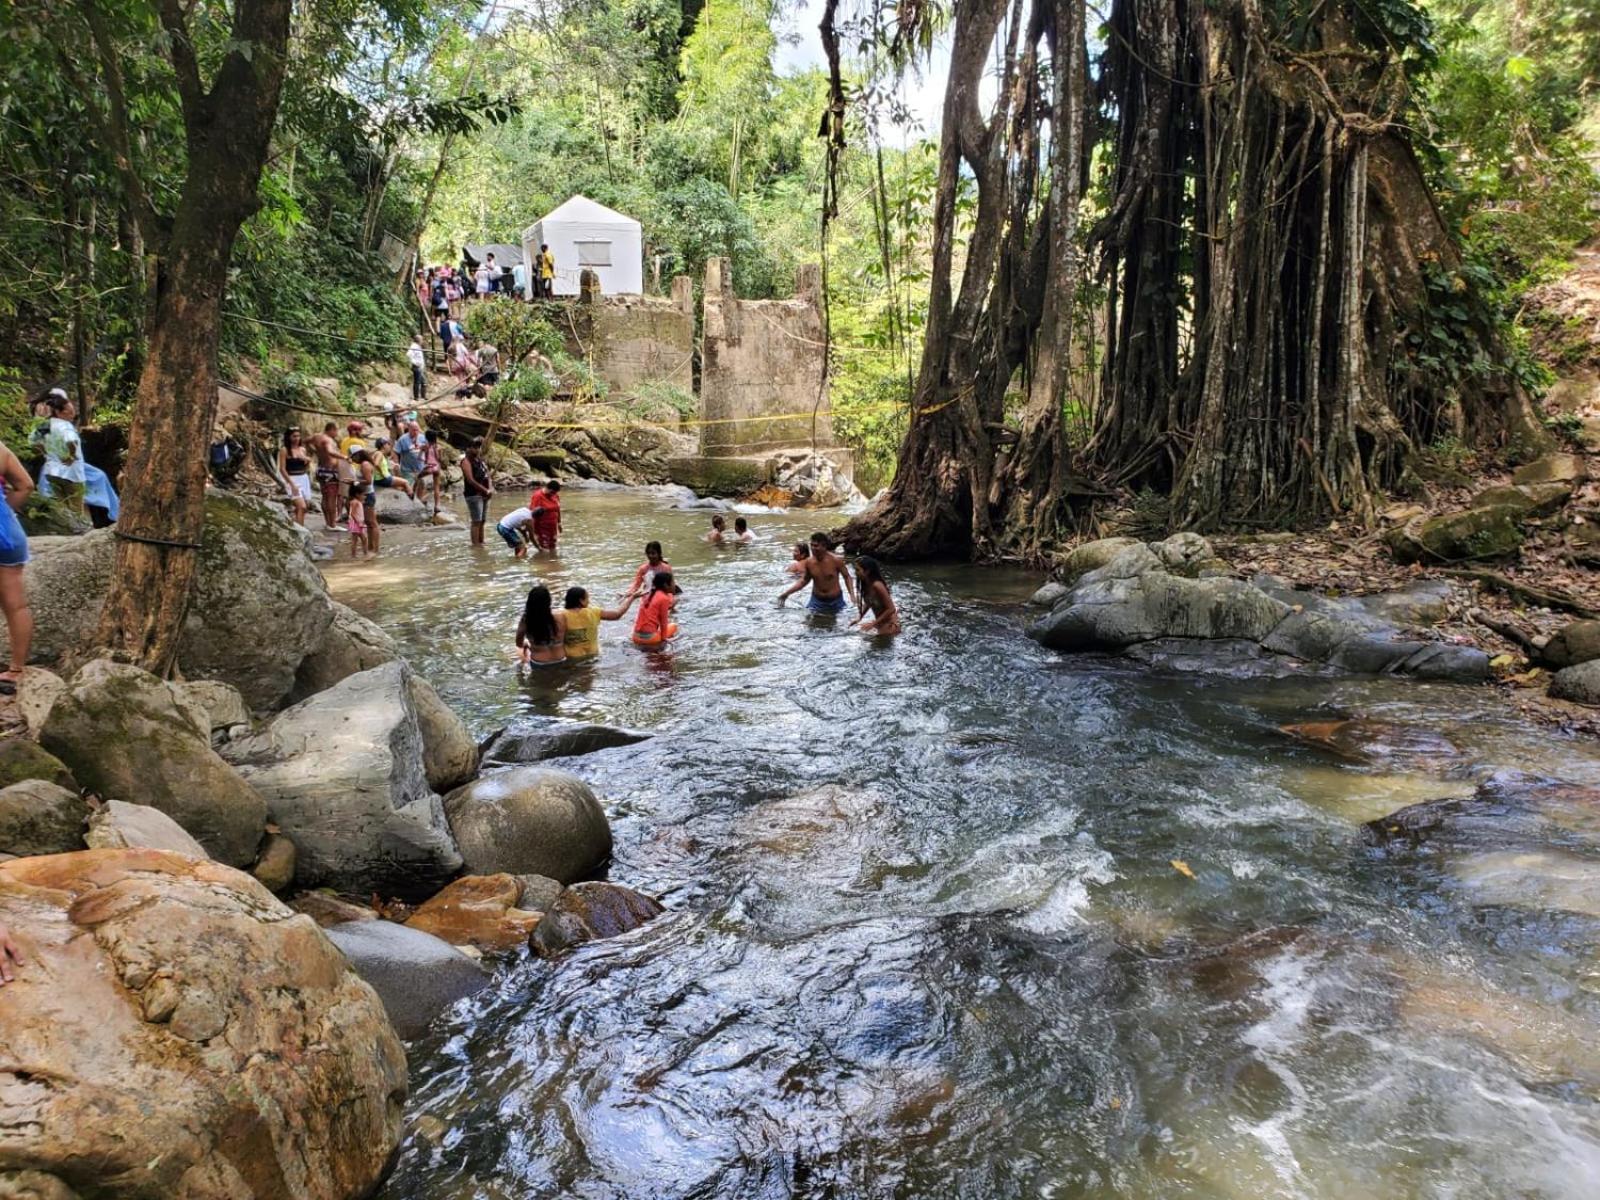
x: 961, y: 917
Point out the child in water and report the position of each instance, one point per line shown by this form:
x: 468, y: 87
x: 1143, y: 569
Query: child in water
x: 741, y: 531
x: 653, y: 562
x: 356, y: 520
x: 797, y: 565
x: 654, y: 626
x: 873, y: 591
x: 718, y: 529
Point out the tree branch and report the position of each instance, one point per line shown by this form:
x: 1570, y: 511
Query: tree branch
x: 114, y: 126
x: 180, y: 52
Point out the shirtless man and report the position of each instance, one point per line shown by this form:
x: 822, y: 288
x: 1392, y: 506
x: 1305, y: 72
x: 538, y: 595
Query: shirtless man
x: 825, y: 570
x: 329, y: 456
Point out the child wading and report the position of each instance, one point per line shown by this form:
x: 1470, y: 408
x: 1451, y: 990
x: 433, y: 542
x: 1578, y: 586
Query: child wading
x: 654, y: 626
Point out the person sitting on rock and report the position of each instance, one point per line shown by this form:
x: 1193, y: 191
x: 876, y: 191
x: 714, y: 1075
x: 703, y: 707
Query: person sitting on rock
x: 384, y: 474
x: 8, y: 954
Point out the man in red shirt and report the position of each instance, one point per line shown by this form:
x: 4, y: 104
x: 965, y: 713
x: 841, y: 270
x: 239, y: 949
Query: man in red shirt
x: 546, y: 506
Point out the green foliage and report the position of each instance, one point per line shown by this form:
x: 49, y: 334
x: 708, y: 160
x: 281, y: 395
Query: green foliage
x: 530, y: 385
x: 658, y: 400
x: 514, y: 328
x: 16, y: 420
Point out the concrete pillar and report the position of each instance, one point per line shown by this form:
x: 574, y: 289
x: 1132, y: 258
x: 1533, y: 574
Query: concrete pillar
x: 589, y: 286
x: 808, y: 284
x: 683, y: 294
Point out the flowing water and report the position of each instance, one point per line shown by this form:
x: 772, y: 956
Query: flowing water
x: 927, y: 937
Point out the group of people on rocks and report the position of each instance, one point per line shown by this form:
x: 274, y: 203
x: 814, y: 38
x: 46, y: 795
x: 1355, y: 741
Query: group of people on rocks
x: 350, y: 470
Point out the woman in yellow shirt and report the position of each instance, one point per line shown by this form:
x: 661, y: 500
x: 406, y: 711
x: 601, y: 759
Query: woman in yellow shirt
x: 583, y: 623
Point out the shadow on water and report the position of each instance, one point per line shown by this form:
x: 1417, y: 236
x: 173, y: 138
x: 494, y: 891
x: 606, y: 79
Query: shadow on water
x: 928, y: 937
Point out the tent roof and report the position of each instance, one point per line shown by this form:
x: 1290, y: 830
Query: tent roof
x: 580, y: 210
x: 504, y: 255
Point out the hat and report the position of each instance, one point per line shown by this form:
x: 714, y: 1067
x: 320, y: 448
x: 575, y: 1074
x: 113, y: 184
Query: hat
x: 61, y: 392
x: 388, y: 405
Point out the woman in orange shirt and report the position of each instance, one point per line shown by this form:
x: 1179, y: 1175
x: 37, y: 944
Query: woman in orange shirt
x: 654, y: 626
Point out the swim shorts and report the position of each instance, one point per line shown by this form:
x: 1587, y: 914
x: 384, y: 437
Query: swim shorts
x: 831, y: 606
x: 512, y: 537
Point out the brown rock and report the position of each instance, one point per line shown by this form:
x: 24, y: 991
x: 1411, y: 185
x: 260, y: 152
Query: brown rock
x: 327, y: 909
x: 1574, y: 643
x: 274, y: 869
x: 185, y: 1035
x: 479, y: 911
x: 586, y: 911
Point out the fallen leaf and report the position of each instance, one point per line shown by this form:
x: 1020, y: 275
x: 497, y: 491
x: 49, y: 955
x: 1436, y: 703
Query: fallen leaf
x: 1502, y: 660
x: 1182, y: 868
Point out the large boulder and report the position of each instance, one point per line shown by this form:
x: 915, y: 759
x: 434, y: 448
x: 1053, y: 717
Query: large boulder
x: 482, y: 911
x: 397, y: 508
x: 21, y: 758
x: 259, y: 605
x: 1580, y: 683
x: 1553, y: 468
x: 342, y: 774
x: 126, y: 736
x: 40, y: 817
x: 449, y: 751
x: 1530, y: 499
x: 177, y: 1032
x: 530, y: 820
x: 416, y: 975
x: 350, y: 644
x: 1472, y: 535
x: 587, y: 911
x: 1090, y: 555
x: 1113, y: 613
x: 122, y: 826
x: 221, y: 705
x: 1574, y: 643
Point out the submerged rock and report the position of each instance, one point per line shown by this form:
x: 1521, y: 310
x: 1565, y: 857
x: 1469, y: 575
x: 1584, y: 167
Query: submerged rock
x: 185, y: 1035
x: 530, y: 820
x: 1535, y: 880
x: 416, y: 975
x: 38, y: 816
x: 478, y: 910
x: 344, y: 776
x: 127, y: 736
x: 587, y: 911
x: 1361, y: 740
x: 560, y: 741
x: 122, y: 826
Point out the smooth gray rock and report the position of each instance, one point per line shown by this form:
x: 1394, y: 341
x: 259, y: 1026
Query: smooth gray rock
x: 123, y: 826
x: 343, y: 775
x: 416, y: 975
x: 559, y: 741
x: 40, y: 817
x: 539, y: 892
x: 1113, y: 613
x: 222, y: 704
x: 530, y: 820
x: 349, y: 645
x: 449, y: 751
x: 126, y: 736
x: 1047, y: 595
x: 1574, y: 643
x: 1089, y: 556
x: 1183, y: 553
x: 1424, y: 603
x: 1580, y: 683
x: 396, y: 508
x: 1316, y: 635
x: 1127, y: 563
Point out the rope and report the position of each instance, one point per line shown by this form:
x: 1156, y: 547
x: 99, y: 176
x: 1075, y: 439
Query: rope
x: 118, y: 531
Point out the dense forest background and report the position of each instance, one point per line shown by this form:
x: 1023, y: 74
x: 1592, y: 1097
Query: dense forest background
x: 437, y: 123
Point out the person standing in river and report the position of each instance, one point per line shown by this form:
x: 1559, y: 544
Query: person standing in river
x: 583, y: 623
x: 546, y: 507
x: 825, y: 571
x: 654, y: 626
x: 326, y: 447
x: 478, y: 485
x: 873, y: 595
x: 653, y: 562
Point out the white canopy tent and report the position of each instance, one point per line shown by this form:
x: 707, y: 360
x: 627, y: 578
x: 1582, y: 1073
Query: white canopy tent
x: 582, y: 233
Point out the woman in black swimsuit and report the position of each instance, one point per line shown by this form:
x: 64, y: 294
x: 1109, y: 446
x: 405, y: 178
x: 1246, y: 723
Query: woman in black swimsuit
x: 294, y: 464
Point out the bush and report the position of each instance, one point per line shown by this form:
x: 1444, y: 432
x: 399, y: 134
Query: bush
x: 515, y: 329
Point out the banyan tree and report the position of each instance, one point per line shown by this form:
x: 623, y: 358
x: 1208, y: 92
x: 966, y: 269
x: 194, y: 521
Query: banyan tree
x: 1278, y: 310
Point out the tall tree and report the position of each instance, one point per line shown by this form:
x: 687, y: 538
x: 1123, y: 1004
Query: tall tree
x: 228, y: 115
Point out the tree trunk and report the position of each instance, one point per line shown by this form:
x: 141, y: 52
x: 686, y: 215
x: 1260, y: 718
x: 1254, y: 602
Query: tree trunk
x: 228, y: 130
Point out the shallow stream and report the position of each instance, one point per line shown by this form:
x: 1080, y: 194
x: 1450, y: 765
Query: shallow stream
x: 961, y: 917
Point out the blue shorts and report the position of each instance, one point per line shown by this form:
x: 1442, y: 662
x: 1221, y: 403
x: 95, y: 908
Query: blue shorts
x: 13, y: 542
x: 512, y: 537
x: 832, y: 607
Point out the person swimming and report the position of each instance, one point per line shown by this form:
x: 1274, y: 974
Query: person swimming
x: 719, y: 529
x: 825, y: 570
x: 741, y: 531
x: 541, y: 632
x: 653, y: 562
x: 873, y: 593
x: 797, y: 565
x: 583, y: 623
x: 654, y: 625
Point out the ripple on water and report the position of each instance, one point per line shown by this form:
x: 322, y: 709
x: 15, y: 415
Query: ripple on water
x: 927, y: 936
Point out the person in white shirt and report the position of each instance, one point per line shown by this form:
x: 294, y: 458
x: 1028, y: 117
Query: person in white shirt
x: 516, y: 527
x: 63, y: 451
x: 419, y: 377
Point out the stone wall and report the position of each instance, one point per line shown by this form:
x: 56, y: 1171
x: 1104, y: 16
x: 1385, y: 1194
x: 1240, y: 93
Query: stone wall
x: 761, y: 360
x: 634, y: 340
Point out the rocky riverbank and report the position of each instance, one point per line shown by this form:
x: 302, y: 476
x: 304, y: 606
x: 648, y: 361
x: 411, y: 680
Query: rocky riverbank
x: 261, y: 871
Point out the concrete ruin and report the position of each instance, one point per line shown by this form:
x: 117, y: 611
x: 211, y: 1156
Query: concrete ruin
x: 636, y: 340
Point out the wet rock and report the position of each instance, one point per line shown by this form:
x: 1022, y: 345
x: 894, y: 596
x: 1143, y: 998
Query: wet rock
x: 1477, y: 534
x: 1360, y: 740
x: 118, y: 825
x: 1533, y: 880
x: 274, y: 869
x: 1113, y: 613
x: 351, y: 644
x: 187, y: 1036
x: 1233, y: 658
x: 344, y: 777
x: 1580, y: 684
x: 1552, y: 468
x: 328, y: 910
x: 480, y: 911
x: 1091, y: 555
x: 1574, y: 643
x: 21, y: 759
x: 538, y: 892
x: 416, y: 975
x: 1361, y: 796
x: 449, y: 751
x: 41, y: 817
x: 560, y: 741
x: 530, y: 820
x: 587, y: 911
x: 397, y: 508
x: 1530, y: 499
x: 221, y: 704
x: 1426, y: 602
x: 259, y: 605
x: 126, y: 737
